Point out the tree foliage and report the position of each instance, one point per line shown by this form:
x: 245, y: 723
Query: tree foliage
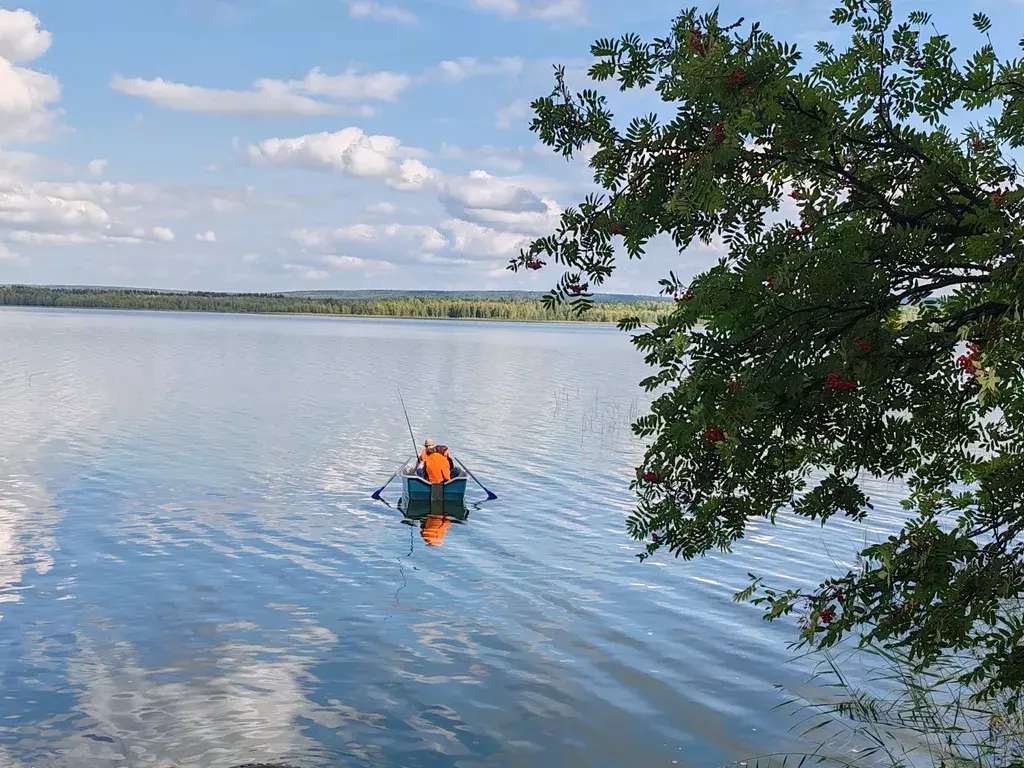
x: 268, y: 303
x: 864, y: 320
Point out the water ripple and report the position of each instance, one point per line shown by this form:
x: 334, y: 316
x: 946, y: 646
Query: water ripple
x: 192, y: 572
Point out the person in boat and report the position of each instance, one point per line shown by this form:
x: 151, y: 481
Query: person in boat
x: 427, y: 445
x: 437, y: 466
x: 443, y: 450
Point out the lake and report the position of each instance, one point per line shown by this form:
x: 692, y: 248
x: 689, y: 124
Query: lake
x: 192, y: 570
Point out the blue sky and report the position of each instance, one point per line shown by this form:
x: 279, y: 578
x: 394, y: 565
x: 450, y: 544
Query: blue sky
x: 258, y: 145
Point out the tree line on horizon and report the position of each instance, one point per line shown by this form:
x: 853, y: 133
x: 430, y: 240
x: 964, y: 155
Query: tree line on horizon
x: 264, y: 303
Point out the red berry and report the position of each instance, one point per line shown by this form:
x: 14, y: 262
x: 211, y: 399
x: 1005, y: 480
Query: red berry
x: 835, y: 382
x: 714, y: 434
x: 770, y: 282
x: 827, y: 615
x: 688, y: 296
x: 651, y: 477
x: 718, y: 132
x: 862, y: 345
x: 616, y: 229
x: 696, y: 43
x: 735, y: 78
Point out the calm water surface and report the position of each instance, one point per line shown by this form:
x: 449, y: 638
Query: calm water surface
x: 192, y: 571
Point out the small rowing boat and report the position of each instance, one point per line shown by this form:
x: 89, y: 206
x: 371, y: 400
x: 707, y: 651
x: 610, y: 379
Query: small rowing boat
x: 416, y: 488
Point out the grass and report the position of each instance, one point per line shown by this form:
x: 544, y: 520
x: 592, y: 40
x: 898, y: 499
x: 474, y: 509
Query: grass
x: 897, y: 716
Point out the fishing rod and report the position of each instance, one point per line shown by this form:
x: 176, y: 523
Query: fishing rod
x: 409, y: 424
x: 376, y: 494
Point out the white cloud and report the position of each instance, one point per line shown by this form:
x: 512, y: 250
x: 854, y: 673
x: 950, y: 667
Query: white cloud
x: 6, y: 254
x: 384, y: 208
x: 267, y: 98
x: 537, y: 223
x: 351, y: 84
x: 559, y: 9
x: 503, y: 158
x: 251, y: 258
x: 467, y: 66
x: 503, y: 7
x: 51, y: 238
x: 368, y: 9
x: 25, y: 96
x: 343, y: 262
x: 27, y: 207
x: 480, y: 189
x: 470, y: 238
x: 513, y: 115
x: 223, y: 205
x: 425, y: 238
x: 413, y: 175
x: 551, y: 10
x: 20, y: 36
x: 433, y: 258
x: 71, y: 238
x: 351, y: 152
x: 206, y: 237
x: 163, y: 234
x: 96, y: 167
x: 306, y: 272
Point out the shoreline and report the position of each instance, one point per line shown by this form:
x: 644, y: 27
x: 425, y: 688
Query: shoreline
x: 602, y: 323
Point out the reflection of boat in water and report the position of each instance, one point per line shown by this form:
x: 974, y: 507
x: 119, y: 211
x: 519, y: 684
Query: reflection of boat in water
x: 416, y: 488
x: 433, y: 518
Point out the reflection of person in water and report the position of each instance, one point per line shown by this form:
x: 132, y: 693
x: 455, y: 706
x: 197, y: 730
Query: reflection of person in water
x: 434, y: 529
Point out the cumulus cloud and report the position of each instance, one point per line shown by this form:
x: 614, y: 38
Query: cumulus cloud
x: 514, y: 114
x: 468, y: 66
x: 30, y: 208
x: 96, y: 167
x: 551, y: 10
x: 470, y: 238
x: 206, y: 237
x: 383, y: 208
x: 318, y: 93
x: 368, y: 9
x: 352, y: 84
x: 27, y: 237
x: 20, y: 36
x: 6, y: 254
x: 425, y: 238
x: 307, y: 272
x: 351, y: 152
x: 268, y: 98
x: 479, y: 189
x: 503, y: 158
x: 25, y: 95
x: 343, y: 262
x: 163, y: 234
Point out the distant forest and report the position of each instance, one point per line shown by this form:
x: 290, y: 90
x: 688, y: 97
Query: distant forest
x: 395, y: 305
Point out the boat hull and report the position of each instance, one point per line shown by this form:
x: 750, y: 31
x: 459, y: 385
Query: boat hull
x: 417, y: 489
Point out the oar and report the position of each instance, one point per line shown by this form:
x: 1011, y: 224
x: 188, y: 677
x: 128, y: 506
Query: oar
x: 376, y: 494
x: 491, y: 495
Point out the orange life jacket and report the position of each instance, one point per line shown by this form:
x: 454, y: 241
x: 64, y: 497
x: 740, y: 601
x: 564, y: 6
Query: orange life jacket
x: 438, y: 469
